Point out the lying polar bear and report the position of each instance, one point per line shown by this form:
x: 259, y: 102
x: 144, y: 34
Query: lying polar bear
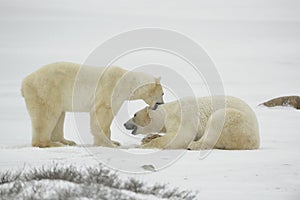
x: 62, y: 87
x: 194, y: 124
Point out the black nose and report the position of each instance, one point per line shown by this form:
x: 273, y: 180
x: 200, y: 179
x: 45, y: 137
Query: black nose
x: 129, y: 126
x: 126, y: 126
x: 157, y: 104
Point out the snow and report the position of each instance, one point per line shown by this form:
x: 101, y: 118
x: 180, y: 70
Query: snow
x: 254, y: 45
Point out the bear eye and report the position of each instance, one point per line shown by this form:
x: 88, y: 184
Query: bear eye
x: 162, y: 94
x: 134, y: 115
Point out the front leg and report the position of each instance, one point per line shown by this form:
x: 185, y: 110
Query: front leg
x: 149, y: 138
x: 100, y: 126
x: 58, y: 132
x: 109, y: 136
x: 159, y: 142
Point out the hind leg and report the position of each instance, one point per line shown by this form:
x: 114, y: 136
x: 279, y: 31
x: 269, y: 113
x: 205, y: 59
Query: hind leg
x: 213, y: 132
x: 58, y: 132
x: 43, y: 120
x: 240, y: 131
x: 42, y: 127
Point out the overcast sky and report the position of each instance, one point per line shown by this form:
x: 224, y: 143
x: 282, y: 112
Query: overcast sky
x: 34, y: 32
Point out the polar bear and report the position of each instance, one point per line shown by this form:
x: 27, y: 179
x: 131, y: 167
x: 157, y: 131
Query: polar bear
x: 194, y: 123
x: 68, y: 87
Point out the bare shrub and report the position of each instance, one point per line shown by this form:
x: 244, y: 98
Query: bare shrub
x: 12, y: 191
x: 100, y: 175
x: 55, y: 172
x: 8, y: 176
x: 69, y: 182
x: 134, y: 185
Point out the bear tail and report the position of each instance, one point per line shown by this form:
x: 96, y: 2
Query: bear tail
x: 27, y: 86
x: 24, y: 84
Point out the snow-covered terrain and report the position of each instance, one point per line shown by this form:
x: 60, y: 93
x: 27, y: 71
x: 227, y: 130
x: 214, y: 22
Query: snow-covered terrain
x: 254, y: 45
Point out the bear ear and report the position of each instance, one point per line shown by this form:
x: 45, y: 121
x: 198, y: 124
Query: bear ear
x: 157, y: 80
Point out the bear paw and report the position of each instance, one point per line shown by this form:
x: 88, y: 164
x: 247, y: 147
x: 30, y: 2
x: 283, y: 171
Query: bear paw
x: 47, y: 144
x: 149, y: 138
x: 68, y: 142
x: 116, y: 143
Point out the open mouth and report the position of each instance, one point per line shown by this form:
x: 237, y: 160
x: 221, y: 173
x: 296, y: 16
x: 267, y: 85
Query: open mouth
x: 134, y: 130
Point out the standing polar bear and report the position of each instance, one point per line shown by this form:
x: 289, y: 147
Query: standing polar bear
x: 67, y: 87
x: 195, y: 124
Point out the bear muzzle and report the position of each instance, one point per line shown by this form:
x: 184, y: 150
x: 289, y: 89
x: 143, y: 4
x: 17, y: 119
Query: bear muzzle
x: 156, y: 105
x: 130, y: 126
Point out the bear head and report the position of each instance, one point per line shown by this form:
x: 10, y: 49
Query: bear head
x: 146, y: 121
x: 151, y: 93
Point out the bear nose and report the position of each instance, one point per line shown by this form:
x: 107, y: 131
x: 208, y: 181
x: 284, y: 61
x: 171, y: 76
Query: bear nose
x: 157, y: 104
x: 128, y: 126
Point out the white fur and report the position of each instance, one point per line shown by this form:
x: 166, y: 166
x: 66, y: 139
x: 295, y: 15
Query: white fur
x: 67, y: 87
x: 198, y: 124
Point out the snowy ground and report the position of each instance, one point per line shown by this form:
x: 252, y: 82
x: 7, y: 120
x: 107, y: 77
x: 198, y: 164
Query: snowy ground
x: 254, y: 45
